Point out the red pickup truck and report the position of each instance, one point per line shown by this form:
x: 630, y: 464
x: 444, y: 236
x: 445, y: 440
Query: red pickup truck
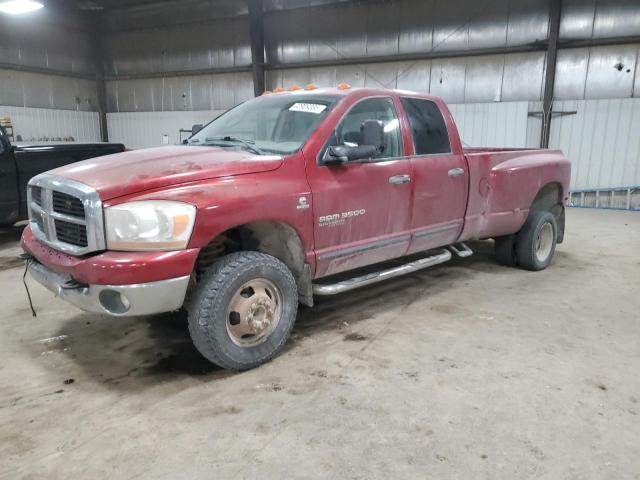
x: 266, y: 204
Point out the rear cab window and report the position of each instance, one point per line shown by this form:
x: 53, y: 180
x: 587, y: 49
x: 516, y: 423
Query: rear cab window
x: 428, y: 128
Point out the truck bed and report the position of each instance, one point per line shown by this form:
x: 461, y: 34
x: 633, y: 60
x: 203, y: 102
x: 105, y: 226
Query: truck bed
x: 503, y: 183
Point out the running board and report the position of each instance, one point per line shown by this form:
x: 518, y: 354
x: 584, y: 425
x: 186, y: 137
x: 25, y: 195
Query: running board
x: 461, y: 250
x: 356, y: 282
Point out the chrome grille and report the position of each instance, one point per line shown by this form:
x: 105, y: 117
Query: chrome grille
x: 71, y: 233
x: 67, y: 204
x: 36, y: 194
x: 65, y: 214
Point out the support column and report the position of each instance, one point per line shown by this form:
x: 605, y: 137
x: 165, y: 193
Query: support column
x: 555, y: 10
x: 256, y: 29
x: 95, y: 29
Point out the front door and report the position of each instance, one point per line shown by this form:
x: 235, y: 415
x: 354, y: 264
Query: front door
x: 440, y: 178
x: 362, y: 209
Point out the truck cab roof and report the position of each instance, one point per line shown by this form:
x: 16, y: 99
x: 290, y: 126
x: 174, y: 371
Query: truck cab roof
x: 354, y: 91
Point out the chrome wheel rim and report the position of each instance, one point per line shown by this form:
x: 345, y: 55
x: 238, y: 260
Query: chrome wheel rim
x: 544, y: 242
x: 254, y: 312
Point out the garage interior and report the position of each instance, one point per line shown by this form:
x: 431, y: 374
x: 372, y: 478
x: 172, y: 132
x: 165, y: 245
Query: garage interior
x: 465, y: 370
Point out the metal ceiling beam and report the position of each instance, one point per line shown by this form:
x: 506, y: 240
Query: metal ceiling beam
x: 146, y: 3
x: 537, y: 47
x: 44, y: 71
x: 431, y: 55
x: 555, y: 10
x: 256, y: 30
x: 181, y: 73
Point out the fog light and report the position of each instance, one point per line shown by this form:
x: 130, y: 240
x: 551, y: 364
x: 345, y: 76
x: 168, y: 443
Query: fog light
x: 114, y: 302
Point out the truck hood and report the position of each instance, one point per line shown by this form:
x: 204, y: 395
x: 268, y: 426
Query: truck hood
x: 142, y: 170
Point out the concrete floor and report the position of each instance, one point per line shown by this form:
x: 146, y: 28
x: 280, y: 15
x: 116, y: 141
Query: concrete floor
x: 469, y: 370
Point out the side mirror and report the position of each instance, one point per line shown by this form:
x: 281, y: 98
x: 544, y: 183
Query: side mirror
x: 372, y: 135
x: 340, y: 154
x: 196, y: 128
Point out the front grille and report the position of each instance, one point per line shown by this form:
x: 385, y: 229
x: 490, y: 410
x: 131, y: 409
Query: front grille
x: 72, y: 233
x: 36, y: 195
x: 67, y: 205
x: 65, y: 214
x: 39, y: 221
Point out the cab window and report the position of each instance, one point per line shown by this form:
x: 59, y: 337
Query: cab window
x: 428, y: 129
x: 349, y: 131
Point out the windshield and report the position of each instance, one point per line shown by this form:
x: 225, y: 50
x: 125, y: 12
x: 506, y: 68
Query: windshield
x: 278, y: 124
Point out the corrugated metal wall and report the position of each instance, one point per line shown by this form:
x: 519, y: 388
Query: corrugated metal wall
x: 494, y: 98
x: 27, y: 89
x: 171, y: 40
x: 46, y: 40
x: 179, y: 47
x: 43, y: 105
x: 195, y: 92
x: 602, y: 139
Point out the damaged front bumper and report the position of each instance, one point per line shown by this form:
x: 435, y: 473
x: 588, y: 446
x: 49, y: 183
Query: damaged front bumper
x: 118, y: 300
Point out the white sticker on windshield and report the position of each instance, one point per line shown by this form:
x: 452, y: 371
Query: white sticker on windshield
x: 308, y: 107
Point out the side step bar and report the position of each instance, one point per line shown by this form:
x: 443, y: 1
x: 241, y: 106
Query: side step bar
x: 461, y: 249
x: 440, y: 256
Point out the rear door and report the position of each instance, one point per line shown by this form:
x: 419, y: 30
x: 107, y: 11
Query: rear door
x: 361, y: 209
x: 440, y: 178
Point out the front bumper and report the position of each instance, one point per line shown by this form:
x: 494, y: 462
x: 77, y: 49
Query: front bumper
x: 118, y: 300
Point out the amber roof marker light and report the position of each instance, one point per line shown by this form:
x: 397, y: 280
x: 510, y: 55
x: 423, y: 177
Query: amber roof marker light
x: 344, y: 86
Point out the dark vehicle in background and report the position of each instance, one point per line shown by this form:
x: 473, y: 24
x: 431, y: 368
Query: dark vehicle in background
x: 18, y: 164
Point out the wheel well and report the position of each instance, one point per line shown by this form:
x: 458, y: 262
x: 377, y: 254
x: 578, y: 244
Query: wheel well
x: 273, y: 238
x: 549, y: 198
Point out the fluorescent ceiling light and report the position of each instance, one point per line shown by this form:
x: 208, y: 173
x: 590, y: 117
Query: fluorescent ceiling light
x: 17, y: 7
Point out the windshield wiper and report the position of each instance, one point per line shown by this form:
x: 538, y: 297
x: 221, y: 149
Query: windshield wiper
x: 249, y: 144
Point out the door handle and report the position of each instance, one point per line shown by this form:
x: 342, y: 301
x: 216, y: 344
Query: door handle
x: 456, y: 172
x: 399, y: 179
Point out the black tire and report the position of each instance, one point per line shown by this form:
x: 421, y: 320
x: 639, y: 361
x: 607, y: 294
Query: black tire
x: 208, y: 310
x: 505, y: 248
x: 539, y: 226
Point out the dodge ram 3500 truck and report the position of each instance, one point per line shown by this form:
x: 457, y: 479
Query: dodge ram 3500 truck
x: 269, y: 202
x: 19, y: 163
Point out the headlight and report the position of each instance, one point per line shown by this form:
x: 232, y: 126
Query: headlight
x: 149, y: 225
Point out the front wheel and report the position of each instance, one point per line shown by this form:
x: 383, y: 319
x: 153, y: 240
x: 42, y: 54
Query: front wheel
x: 536, y: 242
x: 243, y: 310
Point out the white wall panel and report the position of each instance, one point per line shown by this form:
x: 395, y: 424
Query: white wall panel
x: 492, y: 124
x: 534, y: 125
x: 601, y: 140
x: 38, y: 124
x: 146, y: 129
